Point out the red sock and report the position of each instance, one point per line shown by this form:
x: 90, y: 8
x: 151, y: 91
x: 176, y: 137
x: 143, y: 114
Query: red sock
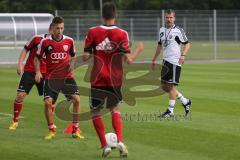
x: 117, y: 125
x: 75, y: 127
x: 17, y: 109
x: 52, y: 127
x: 99, y: 127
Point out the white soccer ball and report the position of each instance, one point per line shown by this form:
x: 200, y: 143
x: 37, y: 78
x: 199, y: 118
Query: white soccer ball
x: 111, y: 139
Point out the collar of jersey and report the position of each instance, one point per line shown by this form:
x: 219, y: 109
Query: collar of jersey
x: 171, y: 27
x: 108, y: 26
x: 51, y: 37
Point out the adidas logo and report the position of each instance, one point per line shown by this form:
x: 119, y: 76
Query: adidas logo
x: 105, y: 45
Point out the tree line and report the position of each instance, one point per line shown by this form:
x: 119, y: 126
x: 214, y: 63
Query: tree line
x: 40, y: 6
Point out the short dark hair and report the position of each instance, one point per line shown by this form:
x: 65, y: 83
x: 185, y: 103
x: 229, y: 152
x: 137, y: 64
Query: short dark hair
x: 57, y: 20
x: 170, y: 11
x: 50, y: 26
x: 108, y: 11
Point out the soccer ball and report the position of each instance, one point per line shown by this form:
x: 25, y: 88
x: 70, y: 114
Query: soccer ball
x: 111, y: 139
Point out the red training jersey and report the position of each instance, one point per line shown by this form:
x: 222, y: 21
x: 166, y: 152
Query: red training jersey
x: 108, y: 45
x: 32, y: 46
x: 57, y: 56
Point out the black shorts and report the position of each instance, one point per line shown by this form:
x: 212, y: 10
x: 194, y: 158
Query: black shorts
x: 27, y: 81
x: 170, y: 73
x: 112, y: 96
x: 52, y: 87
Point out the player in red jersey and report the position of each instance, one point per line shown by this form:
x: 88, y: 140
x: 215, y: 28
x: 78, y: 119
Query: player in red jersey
x: 60, y: 56
x: 27, y: 73
x: 108, y: 45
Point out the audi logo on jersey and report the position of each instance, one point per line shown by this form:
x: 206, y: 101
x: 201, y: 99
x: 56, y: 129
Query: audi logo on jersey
x: 58, y: 55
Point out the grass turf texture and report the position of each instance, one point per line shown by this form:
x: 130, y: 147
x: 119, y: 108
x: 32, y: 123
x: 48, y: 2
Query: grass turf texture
x: 211, y: 134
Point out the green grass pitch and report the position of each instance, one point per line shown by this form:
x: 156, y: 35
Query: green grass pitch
x: 213, y: 133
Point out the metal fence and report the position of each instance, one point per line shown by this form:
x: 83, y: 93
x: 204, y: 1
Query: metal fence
x: 200, y: 25
x: 214, y: 34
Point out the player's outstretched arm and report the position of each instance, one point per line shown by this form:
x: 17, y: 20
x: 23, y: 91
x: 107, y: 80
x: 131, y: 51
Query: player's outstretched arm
x: 157, y: 53
x: 132, y: 56
x: 21, y: 58
x: 38, y: 74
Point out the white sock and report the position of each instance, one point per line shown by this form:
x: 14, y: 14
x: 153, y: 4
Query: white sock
x: 182, y: 99
x: 171, y: 105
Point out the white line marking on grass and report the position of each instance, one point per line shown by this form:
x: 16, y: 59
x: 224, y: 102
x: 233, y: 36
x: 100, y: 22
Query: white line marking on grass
x: 7, y: 115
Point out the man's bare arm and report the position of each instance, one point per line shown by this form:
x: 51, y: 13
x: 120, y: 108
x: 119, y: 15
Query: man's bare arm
x: 21, y: 59
x: 130, y: 57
